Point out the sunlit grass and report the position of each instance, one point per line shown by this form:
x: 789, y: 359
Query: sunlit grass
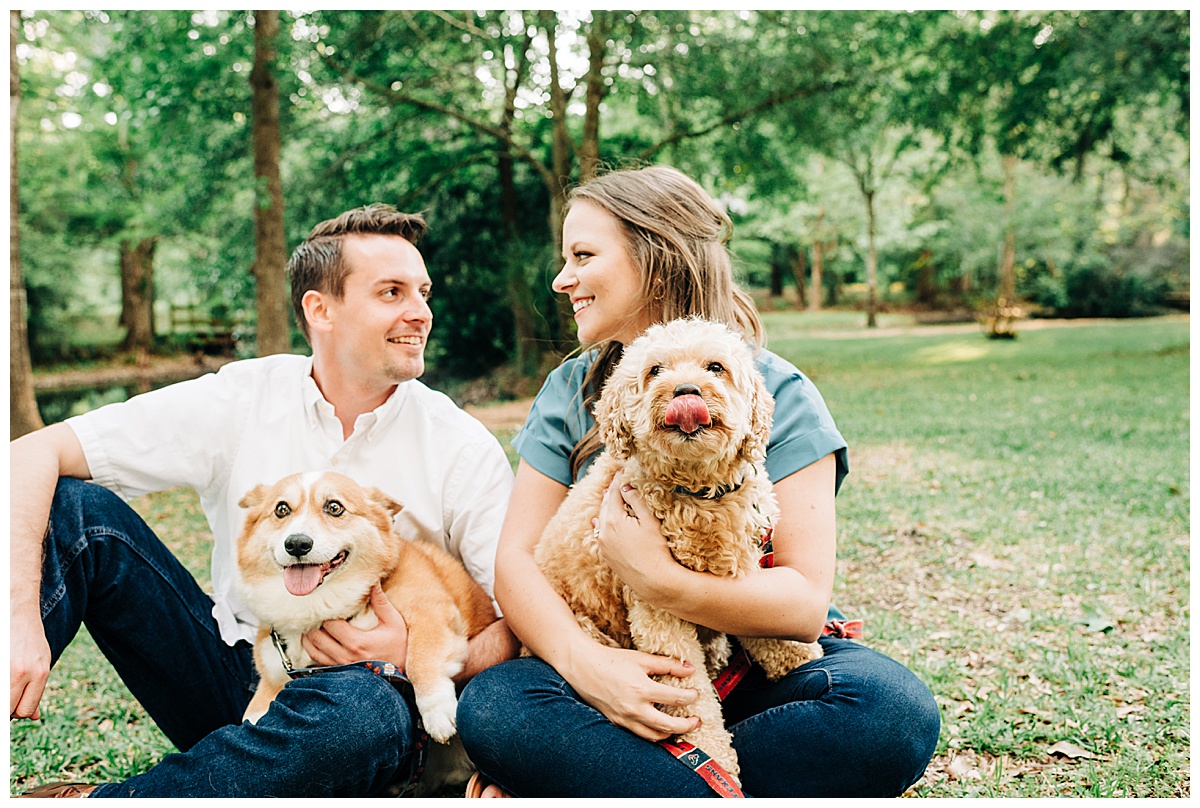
x: 1015, y: 529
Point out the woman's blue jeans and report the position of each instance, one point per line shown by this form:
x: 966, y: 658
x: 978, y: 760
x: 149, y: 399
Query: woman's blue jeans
x: 851, y: 724
x: 345, y: 732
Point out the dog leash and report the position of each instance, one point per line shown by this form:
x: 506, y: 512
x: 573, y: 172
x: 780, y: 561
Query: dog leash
x: 739, y: 665
x: 702, y: 764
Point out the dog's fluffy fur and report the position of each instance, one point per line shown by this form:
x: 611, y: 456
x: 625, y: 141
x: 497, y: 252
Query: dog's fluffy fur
x: 715, y: 534
x: 346, y: 532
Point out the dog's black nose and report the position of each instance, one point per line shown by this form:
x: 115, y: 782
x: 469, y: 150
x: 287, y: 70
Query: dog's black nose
x: 297, y: 545
x: 687, y: 389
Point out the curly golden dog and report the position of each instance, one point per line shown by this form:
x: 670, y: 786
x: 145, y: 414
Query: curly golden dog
x: 685, y: 415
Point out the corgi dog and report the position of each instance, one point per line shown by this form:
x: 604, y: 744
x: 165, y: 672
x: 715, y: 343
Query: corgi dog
x: 312, y: 547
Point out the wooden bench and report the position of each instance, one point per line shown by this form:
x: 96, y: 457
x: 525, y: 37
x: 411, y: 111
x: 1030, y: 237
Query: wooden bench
x: 204, y: 331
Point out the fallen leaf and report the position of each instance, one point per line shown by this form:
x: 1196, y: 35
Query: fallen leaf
x: 960, y: 769
x: 1095, y: 621
x: 1130, y: 709
x: 1070, y: 750
x: 1021, y: 614
x: 986, y: 560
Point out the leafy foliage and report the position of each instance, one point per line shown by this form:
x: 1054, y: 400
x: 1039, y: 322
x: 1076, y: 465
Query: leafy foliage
x: 135, y: 125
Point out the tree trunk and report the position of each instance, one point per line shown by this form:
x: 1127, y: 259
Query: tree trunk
x: 779, y: 259
x: 814, y: 301
x: 137, y: 293
x: 271, y: 296
x: 560, y: 152
x: 526, y: 346
x: 589, y: 148
x: 872, y: 281
x: 1008, y: 276
x: 799, y: 270
x: 23, y: 416
x: 819, y: 245
x: 560, y: 148
x: 926, y: 278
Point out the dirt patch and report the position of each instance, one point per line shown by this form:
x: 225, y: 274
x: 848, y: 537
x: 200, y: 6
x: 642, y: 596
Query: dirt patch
x: 508, y: 415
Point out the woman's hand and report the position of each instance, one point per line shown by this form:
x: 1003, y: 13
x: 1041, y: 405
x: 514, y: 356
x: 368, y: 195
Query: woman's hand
x: 617, y: 682
x: 337, y: 642
x: 631, y: 539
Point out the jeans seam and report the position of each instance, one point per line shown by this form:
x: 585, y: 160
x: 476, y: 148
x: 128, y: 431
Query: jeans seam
x: 60, y: 586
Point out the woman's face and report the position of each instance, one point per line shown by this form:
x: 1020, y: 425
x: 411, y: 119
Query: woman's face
x: 600, y: 278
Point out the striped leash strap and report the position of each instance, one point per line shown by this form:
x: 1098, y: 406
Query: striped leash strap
x: 702, y: 764
x: 740, y: 663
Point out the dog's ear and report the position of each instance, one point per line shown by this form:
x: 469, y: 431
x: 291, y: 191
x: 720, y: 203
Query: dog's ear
x: 762, y: 406
x: 393, y: 507
x: 616, y: 433
x: 254, y: 497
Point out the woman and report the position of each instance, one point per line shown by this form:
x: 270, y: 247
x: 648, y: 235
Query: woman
x: 641, y: 247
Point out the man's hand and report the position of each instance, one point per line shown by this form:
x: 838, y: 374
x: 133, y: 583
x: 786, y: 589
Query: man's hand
x: 337, y: 642
x: 28, y: 666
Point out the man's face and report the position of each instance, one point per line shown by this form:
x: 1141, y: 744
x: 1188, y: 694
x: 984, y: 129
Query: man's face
x: 382, y: 321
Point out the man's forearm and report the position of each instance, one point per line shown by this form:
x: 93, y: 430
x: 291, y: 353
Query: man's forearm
x: 493, y: 645
x: 36, y: 461
x: 33, y: 476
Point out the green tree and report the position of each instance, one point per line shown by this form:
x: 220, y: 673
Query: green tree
x: 23, y: 411
x: 1050, y: 87
x: 273, y: 333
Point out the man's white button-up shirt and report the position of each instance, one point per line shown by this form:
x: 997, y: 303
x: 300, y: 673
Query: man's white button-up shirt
x: 258, y: 420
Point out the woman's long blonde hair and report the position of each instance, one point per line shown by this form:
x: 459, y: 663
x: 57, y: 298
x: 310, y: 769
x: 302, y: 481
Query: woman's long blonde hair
x: 676, y: 235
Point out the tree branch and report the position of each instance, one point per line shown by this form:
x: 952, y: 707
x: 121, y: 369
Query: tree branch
x: 398, y: 97
x: 437, y: 179
x: 464, y: 25
x: 769, y: 102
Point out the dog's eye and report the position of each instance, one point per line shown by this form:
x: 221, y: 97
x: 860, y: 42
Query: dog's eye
x: 657, y: 369
x: 282, y: 509
x: 716, y: 367
x: 334, y: 508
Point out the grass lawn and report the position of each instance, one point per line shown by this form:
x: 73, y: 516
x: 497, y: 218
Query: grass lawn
x: 1014, y: 529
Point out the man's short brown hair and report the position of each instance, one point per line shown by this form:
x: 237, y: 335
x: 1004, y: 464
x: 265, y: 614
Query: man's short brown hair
x: 317, y: 263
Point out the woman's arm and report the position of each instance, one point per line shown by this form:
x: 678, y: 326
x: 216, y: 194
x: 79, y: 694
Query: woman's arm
x: 615, y: 681
x: 791, y: 600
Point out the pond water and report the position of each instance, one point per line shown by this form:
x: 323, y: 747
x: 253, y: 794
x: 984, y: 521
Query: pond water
x: 59, y: 405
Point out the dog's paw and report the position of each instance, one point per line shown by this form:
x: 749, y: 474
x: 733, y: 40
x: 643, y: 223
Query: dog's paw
x: 438, y: 709
x: 253, y: 715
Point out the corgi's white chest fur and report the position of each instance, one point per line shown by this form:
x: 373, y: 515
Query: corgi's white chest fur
x: 290, y: 634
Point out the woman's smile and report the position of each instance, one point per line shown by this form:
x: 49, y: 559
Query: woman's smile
x: 599, y: 277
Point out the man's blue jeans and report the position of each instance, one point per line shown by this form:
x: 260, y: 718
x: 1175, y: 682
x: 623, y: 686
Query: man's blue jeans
x: 853, y: 723
x: 346, y: 732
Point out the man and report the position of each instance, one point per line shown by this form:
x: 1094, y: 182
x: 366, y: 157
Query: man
x: 360, y: 289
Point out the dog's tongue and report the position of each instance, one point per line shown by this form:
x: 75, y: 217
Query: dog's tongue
x: 689, y: 413
x: 300, y: 579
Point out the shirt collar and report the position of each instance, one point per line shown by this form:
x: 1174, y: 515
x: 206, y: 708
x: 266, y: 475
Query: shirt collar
x: 315, y: 402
